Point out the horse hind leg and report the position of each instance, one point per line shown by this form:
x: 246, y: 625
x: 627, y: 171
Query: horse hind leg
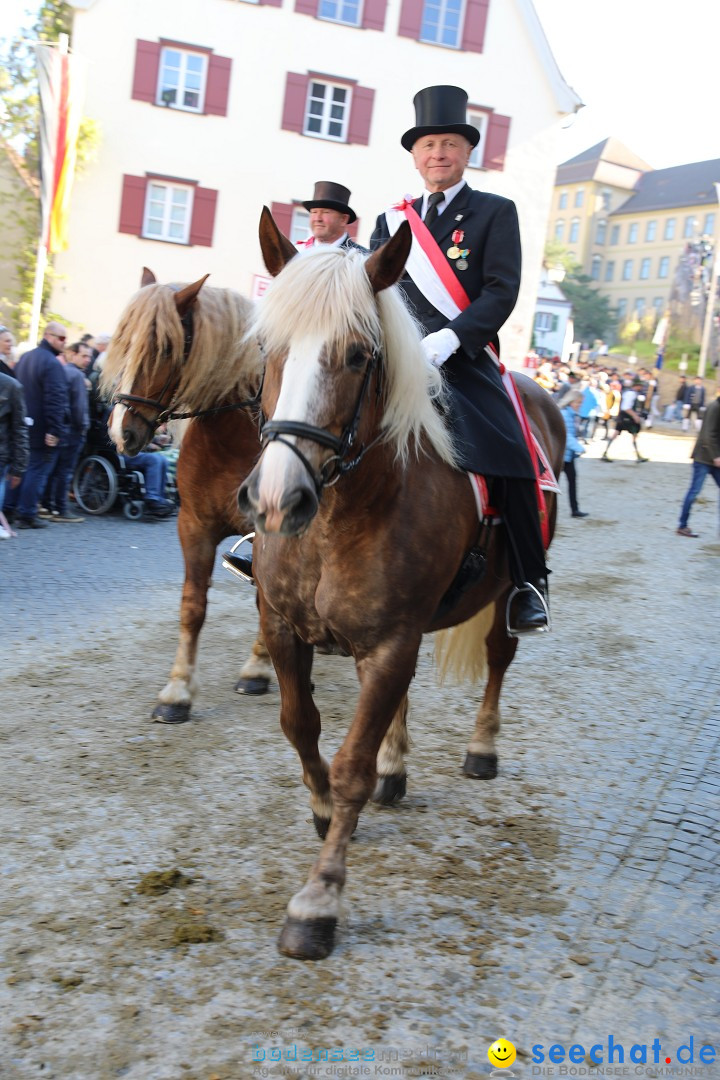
x: 481, y: 758
x: 391, y: 774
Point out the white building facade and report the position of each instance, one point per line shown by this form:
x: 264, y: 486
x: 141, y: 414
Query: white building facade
x: 209, y: 111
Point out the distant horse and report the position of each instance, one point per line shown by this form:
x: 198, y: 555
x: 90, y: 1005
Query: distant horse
x: 181, y: 350
x: 363, y: 523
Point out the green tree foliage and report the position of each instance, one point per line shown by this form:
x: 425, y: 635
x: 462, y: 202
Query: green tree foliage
x: 592, y: 315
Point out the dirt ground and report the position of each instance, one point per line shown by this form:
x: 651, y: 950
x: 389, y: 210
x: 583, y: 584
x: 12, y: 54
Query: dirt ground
x: 146, y: 869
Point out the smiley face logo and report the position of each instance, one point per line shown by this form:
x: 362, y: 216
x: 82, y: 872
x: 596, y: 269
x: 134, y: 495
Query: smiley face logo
x: 501, y: 1053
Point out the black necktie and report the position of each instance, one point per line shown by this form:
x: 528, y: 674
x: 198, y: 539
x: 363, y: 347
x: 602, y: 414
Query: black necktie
x: 433, y: 202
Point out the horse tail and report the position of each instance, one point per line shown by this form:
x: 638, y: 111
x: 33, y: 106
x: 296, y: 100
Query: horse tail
x: 460, y: 652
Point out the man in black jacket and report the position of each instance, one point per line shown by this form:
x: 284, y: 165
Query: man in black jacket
x: 473, y: 242
x: 46, y: 397
x: 14, y: 446
x: 330, y: 215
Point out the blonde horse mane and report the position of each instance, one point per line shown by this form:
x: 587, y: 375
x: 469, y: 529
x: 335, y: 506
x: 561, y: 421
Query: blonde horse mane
x: 223, y: 360
x: 327, y: 296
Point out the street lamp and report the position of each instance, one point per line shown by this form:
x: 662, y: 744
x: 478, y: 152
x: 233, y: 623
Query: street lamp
x: 710, y: 307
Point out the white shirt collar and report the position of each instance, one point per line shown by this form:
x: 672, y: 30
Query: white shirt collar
x: 449, y: 194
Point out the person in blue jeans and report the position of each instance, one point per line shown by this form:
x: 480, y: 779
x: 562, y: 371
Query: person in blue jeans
x: 706, y: 461
x: 55, y: 499
x: 154, y: 467
x: 569, y: 405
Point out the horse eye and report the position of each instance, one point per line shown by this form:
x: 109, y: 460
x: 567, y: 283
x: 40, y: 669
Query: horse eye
x: 356, y: 359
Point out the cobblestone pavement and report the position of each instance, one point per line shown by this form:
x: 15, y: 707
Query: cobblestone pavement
x: 571, y: 901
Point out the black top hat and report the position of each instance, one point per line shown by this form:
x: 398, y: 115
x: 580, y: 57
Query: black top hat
x: 333, y: 197
x: 439, y: 109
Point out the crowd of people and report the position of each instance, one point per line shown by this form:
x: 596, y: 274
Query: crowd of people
x: 49, y: 399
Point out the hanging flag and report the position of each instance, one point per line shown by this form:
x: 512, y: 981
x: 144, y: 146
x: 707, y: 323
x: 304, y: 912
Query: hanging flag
x: 61, y: 80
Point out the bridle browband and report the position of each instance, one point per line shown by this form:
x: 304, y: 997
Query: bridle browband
x: 337, y: 464
x: 166, y: 412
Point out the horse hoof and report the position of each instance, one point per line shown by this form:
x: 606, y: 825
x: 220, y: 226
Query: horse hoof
x: 322, y: 824
x: 171, y: 714
x: 480, y: 766
x: 307, y: 939
x: 255, y: 687
x: 390, y: 789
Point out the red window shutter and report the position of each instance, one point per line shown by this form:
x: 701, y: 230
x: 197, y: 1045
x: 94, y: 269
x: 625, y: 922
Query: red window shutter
x: 282, y: 212
x: 360, y: 115
x: 218, y: 85
x: 132, y: 205
x: 147, y: 65
x: 203, y: 217
x: 306, y: 7
x: 271, y: 3
x: 411, y: 14
x: 296, y: 88
x: 496, y: 142
x: 476, y: 13
x: 374, y: 14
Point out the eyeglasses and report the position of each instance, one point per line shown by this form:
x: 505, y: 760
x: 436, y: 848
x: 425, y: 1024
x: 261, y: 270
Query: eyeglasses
x: 59, y: 337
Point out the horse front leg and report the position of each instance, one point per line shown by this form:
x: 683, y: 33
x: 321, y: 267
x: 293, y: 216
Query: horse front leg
x: 309, y: 930
x: 481, y: 758
x: 391, y: 773
x: 256, y: 672
x: 175, y: 699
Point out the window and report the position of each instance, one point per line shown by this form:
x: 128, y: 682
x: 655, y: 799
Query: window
x: 327, y: 110
x: 563, y: 200
x: 633, y: 233
x: 640, y: 307
x: 609, y: 270
x: 579, y: 197
x: 669, y: 233
x: 168, y: 210
x: 659, y: 305
x: 182, y: 79
x: 664, y: 266
x: 458, y: 24
x: 605, y: 199
x: 596, y: 267
x: 480, y: 121
x: 650, y: 231
x: 709, y: 225
x: 559, y: 230
x: 627, y: 270
x: 546, y: 322
x: 574, y: 231
x: 645, y: 269
x: 621, y: 308
x: 338, y: 110
x: 601, y: 231
x: 342, y: 11
x: 689, y: 228
x: 299, y: 224
x: 615, y: 234
x: 442, y: 23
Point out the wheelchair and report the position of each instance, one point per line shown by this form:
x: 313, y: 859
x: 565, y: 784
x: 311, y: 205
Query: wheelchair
x: 102, y: 479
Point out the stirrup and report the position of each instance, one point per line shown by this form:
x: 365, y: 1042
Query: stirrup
x: 527, y: 586
x: 233, y: 569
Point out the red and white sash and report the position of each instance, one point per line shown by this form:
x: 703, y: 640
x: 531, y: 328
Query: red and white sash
x: 432, y: 274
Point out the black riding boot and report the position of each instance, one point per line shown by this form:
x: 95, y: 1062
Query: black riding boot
x: 528, y: 610
x: 238, y: 560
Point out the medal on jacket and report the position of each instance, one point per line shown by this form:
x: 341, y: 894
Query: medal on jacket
x: 462, y: 263
x: 457, y: 238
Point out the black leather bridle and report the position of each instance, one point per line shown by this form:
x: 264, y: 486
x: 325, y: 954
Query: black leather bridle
x: 337, y: 464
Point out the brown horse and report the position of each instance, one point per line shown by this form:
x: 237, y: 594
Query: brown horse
x: 182, y: 350
x: 363, y: 523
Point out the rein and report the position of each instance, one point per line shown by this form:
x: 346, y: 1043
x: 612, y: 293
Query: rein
x: 337, y: 464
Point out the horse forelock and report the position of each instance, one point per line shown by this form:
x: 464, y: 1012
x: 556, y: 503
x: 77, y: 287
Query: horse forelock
x: 150, y: 342
x: 327, y: 296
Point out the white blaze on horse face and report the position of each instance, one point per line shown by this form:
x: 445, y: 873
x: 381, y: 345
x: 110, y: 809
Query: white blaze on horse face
x: 116, y: 425
x: 280, y: 468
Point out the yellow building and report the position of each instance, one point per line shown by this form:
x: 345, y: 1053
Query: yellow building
x: 645, y: 236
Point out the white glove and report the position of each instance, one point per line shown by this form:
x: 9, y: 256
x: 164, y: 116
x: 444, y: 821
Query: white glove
x: 440, y: 345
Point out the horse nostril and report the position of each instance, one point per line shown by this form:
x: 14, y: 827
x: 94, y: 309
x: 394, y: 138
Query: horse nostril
x: 299, y: 509
x: 246, y: 499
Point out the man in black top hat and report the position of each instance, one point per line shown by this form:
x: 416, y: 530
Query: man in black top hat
x: 476, y: 238
x: 330, y: 215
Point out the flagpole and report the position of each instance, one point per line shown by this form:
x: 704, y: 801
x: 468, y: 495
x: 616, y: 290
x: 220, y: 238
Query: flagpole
x: 41, y: 259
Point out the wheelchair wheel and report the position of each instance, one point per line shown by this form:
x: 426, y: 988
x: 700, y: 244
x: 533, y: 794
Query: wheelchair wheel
x: 133, y: 510
x: 95, y: 485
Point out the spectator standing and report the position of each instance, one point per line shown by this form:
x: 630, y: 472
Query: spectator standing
x: 569, y: 405
x: 7, y: 360
x: 14, y: 443
x: 55, y: 500
x: 46, y: 397
x: 706, y: 459
x: 99, y: 353
x: 629, y: 419
x: 694, y: 404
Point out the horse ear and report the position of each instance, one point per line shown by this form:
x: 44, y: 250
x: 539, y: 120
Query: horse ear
x: 187, y: 296
x: 385, y: 266
x: 148, y: 278
x: 277, y: 251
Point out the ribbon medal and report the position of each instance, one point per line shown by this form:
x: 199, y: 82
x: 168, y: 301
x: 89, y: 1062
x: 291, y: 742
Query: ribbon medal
x: 462, y: 263
x: 454, y: 252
